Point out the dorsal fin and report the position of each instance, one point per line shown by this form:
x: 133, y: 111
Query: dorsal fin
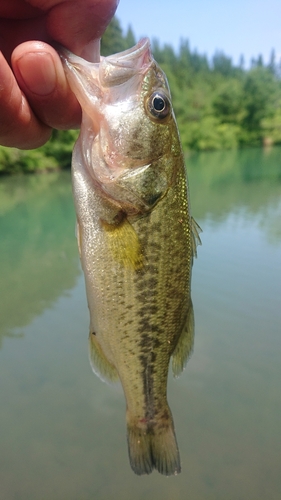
x: 184, y: 347
x: 195, y: 238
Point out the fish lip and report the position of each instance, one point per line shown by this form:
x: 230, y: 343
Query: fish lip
x: 112, y: 175
x: 119, y: 68
x: 130, y: 55
x: 111, y: 71
x: 141, y: 53
x: 133, y: 172
x: 67, y: 57
x: 117, y: 174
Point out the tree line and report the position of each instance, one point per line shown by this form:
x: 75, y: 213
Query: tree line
x: 218, y: 105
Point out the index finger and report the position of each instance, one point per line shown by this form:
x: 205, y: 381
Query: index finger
x: 75, y: 24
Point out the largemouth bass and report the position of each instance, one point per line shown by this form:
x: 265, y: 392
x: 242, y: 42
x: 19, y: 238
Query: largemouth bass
x: 136, y: 239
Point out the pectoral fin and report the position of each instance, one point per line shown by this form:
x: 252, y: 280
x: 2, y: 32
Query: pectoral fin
x: 99, y: 363
x: 124, y: 244
x: 185, y: 343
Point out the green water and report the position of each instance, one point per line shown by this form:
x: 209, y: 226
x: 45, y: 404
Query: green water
x: 62, y: 431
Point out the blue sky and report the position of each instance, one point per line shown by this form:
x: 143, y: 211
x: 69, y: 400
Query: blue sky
x: 248, y: 27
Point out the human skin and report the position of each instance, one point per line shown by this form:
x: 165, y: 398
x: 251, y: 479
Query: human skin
x: 34, y: 94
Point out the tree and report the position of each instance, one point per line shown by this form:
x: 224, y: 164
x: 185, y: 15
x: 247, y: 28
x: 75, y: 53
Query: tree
x: 222, y: 64
x: 113, y: 40
x: 218, y: 105
x: 130, y: 40
x: 261, y: 97
x: 228, y: 101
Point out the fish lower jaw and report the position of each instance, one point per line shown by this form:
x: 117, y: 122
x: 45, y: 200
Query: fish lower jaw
x: 130, y: 203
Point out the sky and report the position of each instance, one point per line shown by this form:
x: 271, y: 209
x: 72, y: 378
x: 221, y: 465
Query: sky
x: 235, y: 27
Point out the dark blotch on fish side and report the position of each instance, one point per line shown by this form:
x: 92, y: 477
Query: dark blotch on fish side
x: 151, y: 200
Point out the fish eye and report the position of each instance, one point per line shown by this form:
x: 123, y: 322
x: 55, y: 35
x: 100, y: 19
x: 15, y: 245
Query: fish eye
x: 159, y: 105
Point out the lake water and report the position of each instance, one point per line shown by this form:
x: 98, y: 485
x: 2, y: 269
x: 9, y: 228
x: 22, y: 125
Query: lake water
x: 62, y: 431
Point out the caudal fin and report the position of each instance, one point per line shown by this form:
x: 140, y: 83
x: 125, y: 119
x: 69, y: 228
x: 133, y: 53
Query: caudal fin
x: 153, y: 447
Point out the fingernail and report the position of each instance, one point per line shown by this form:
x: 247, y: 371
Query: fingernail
x: 38, y: 73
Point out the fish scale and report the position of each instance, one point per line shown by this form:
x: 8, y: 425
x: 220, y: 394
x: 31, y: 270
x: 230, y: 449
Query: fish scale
x: 136, y: 239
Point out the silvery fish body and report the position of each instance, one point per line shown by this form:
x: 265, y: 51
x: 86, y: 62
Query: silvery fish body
x: 136, y: 239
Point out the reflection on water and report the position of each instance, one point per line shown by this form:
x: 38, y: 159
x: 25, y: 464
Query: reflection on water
x: 62, y: 431
x: 38, y: 257
x: 227, y: 181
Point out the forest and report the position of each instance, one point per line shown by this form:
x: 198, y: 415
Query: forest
x: 218, y: 105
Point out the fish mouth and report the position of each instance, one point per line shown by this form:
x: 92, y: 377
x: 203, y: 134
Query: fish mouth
x: 131, y: 55
x: 118, y: 68
x: 89, y: 80
x: 94, y: 84
x: 127, y: 57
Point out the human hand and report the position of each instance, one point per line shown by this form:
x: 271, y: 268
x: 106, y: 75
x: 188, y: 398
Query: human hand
x: 34, y: 94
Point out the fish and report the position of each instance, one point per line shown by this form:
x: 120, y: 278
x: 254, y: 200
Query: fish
x: 137, y: 240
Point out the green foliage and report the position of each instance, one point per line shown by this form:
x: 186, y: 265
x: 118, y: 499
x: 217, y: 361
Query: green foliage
x: 209, y: 134
x: 217, y: 105
x: 54, y: 155
x: 271, y: 128
x: 222, y: 64
x: 228, y: 101
x: 261, y: 96
x: 114, y: 41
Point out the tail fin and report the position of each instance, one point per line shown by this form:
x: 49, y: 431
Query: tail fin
x: 153, y: 447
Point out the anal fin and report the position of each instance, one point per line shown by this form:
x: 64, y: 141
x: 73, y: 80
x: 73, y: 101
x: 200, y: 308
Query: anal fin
x: 99, y: 363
